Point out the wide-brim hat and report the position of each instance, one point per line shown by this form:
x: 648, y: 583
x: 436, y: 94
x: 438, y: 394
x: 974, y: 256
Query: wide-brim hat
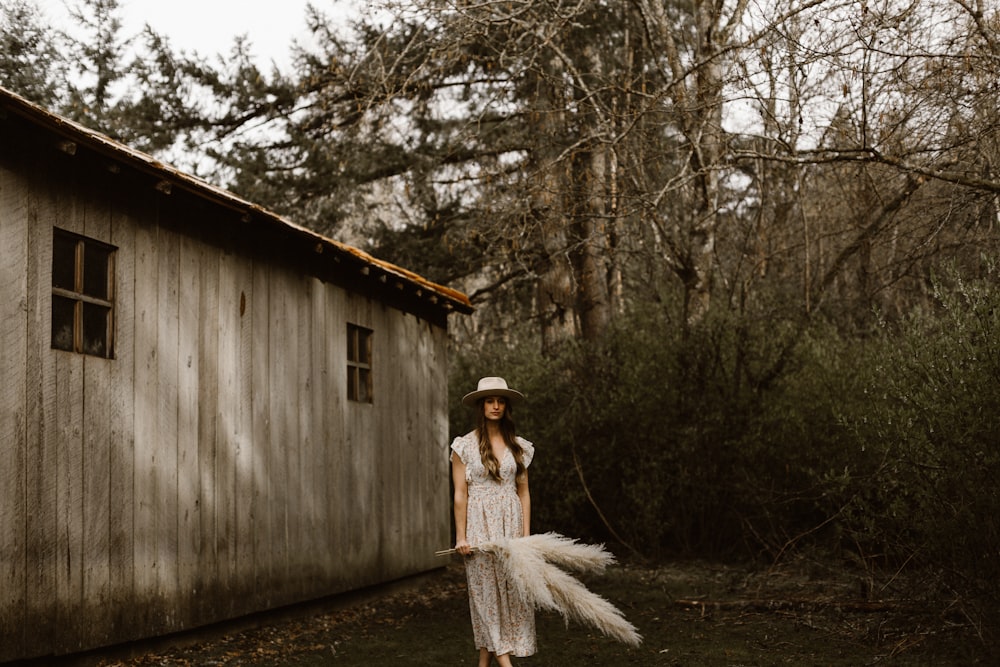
x: 492, y: 386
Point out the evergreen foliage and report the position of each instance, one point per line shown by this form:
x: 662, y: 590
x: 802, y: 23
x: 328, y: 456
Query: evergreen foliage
x: 30, y: 62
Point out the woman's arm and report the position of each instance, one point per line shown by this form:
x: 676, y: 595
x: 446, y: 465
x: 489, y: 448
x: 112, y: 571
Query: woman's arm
x: 461, y: 504
x: 525, y: 496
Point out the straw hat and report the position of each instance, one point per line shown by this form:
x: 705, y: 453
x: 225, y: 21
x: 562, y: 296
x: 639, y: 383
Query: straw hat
x: 492, y: 386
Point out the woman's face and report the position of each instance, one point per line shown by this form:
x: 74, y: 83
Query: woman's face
x: 494, y: 407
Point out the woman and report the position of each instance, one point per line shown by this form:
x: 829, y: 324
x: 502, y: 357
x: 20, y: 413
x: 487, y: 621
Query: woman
x: 490, y: 470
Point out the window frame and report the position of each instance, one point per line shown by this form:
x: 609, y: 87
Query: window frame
x: 359, y: 364
x: 81, y: 295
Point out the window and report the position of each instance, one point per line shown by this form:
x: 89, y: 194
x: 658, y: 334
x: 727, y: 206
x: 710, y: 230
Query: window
x: 359, y: 364
x: 82, y: 295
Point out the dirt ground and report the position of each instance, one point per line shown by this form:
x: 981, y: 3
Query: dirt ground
x: 690, y: 614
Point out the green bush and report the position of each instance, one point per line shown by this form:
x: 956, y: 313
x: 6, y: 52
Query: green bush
x: 755, y: 437
x: 677, y: 443
x: 931, y: 423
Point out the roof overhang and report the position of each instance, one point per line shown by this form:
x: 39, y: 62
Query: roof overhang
x: 372, y: 274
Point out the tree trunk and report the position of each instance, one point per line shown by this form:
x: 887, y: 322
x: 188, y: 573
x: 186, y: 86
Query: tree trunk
x: 590, y: 254
x: 555, y: 304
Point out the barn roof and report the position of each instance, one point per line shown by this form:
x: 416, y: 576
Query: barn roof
x: 368, y: 272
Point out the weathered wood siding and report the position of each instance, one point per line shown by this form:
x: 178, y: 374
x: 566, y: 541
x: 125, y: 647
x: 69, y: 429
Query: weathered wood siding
x: 214, y: 467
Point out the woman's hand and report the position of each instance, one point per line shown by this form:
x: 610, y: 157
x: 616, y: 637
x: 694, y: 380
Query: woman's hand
x: 463, y: 547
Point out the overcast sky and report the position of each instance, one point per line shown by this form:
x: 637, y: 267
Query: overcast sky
x: 209, y: 26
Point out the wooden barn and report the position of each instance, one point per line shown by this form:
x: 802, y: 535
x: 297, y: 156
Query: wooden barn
x: 206, y: 410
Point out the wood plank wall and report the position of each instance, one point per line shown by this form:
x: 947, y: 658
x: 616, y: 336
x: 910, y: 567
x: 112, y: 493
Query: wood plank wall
x: 16, y: 210
x: 214, y: 467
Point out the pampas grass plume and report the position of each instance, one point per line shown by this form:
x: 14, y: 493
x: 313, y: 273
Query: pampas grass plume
x: 532, y: 564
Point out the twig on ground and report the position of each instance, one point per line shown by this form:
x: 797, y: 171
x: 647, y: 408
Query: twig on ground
x: 786, y: 604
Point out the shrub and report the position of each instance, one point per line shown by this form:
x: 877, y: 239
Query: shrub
x: 755, y: 437
x: 931, y: 423
x: 673, y: 443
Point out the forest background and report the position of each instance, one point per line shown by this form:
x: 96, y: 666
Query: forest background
x: 741, y: 256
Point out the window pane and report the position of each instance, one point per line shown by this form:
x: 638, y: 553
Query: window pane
x: 95, y: 330
x: 95, y: 270
x: 352, y: 343
x: 364, y: 386
x: 366, y: 347
x: 62, y: 323
x: 63, y: 262
x: 352, y: 383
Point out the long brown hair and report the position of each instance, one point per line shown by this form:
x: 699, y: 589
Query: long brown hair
x: 507, y: 431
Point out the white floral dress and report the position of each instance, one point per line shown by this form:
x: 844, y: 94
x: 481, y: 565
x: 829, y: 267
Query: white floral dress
x: 502, y: 622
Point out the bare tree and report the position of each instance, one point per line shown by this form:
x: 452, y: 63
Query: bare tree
x: 877, y: 117
x: 562, y: 161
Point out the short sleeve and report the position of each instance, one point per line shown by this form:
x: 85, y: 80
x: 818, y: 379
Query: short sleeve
x: 462, y: 445
x: 527, y: 451
x: 458, y: 446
